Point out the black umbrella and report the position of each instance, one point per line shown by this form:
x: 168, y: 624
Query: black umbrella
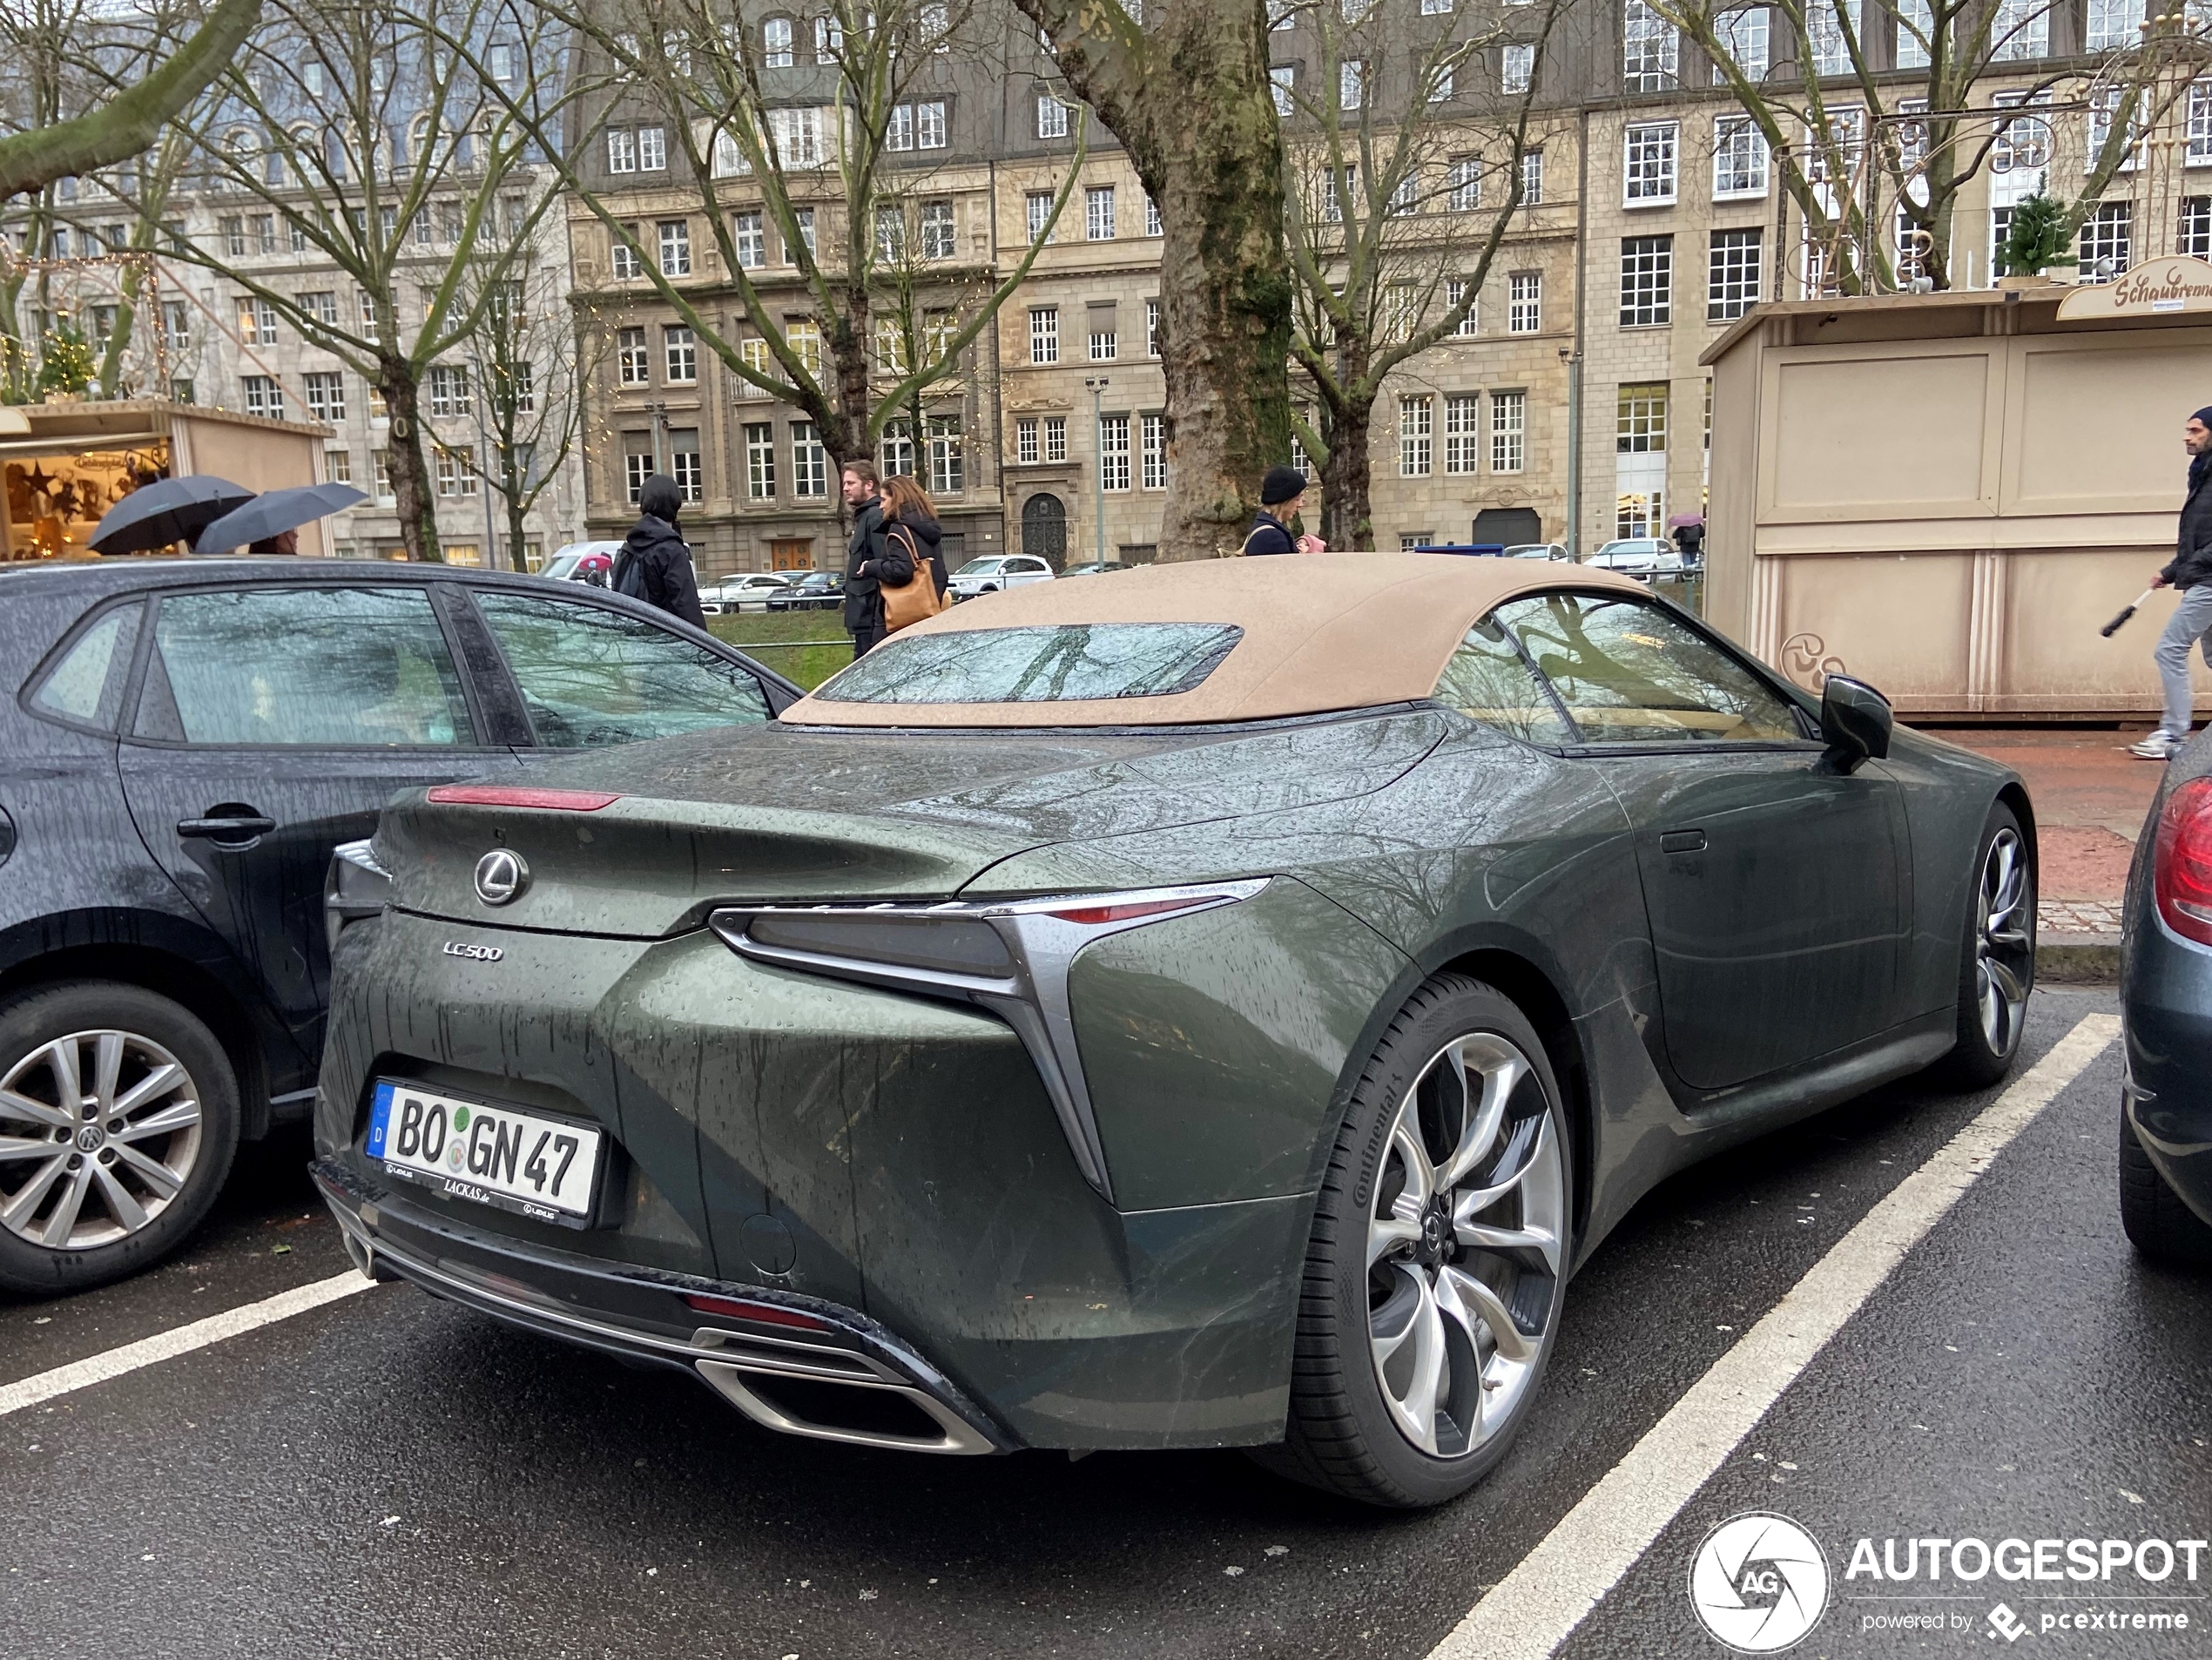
x: 169, y: 510
x: 273, y: 513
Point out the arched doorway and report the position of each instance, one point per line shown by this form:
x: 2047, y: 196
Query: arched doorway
x: 1044, y: 530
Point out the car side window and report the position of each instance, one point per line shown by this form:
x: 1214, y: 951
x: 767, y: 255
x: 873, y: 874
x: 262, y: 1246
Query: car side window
x: 1487, y: 680
x: 85, y: 685
x: 323, y: 667
x: 1629, y: 673
x: 591, y: 675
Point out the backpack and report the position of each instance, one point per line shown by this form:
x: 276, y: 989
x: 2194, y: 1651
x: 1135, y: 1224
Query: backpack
x: 629, y: 578
x: 918, y: 600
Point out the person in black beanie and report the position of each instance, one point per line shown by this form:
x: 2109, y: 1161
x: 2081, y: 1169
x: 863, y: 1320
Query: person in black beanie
x: 2190, y: 570
x: 654, y: 564
x: 1281, y: 494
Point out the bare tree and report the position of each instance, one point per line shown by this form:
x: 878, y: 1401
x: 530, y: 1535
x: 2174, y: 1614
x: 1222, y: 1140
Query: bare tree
x: 1404, y: 174
x: 1186, y: 90
x: 521, y: 359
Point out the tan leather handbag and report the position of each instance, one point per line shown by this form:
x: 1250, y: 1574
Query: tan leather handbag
x: 918, y: 599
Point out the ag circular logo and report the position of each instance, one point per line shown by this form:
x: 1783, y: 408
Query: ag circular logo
x: 1759, y: 1583
x: 501, y: 876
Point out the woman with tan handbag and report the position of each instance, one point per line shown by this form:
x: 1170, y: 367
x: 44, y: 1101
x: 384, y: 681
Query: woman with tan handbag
x: 911, y: 540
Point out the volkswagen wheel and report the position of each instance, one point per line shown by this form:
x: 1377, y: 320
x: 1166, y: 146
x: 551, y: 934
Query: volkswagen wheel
x: 1997, y: 956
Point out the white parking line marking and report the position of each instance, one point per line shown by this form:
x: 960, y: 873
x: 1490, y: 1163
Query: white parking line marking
x: 1534, y: 1609
x: 164, y: 1346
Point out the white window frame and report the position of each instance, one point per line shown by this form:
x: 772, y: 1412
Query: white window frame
x: 1044, y: 334
x: 1650, y: 153
x: 1525, y: 303
x: 1509, y: 432
x: 1739, y: 159
x: 1153, y: 457
x: 1462, y: 434
x: 675, y: 238
x: 1113, y: 453
x: 1416, y: 443
x: 1098, y: 214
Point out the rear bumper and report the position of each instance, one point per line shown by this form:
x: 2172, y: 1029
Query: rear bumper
x: 2166, y: 1000
x: 849, y: 1380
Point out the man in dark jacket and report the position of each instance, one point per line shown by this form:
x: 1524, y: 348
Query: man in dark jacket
x: 2190, y: 570
x: 1281, y: 494
x: 654, y: 564
x: 863, y: 594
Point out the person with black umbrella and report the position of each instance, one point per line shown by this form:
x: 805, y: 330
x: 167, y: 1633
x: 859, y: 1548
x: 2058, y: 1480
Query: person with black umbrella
x: 655, y: 563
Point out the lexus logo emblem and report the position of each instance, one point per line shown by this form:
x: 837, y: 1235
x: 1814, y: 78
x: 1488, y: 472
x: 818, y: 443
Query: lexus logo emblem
x: 474, y: 953
x: 501, y: 876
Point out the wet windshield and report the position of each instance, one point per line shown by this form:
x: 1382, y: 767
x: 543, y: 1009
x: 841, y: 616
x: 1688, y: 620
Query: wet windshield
x: 1057, y: 664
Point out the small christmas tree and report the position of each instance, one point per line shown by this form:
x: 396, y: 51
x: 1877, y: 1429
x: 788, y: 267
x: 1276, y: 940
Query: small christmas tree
x: 2036, y: 238
x: 68, y: 365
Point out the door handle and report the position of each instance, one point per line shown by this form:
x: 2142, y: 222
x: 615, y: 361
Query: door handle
x: 243, y: 827
x: 1681, y: 841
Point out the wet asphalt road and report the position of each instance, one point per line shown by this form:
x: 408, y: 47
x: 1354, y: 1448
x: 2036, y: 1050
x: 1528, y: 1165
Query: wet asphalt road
x: 392, y: 1476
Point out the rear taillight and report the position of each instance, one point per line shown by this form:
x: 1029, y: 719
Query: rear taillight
x: 765, y: 1313
x: 2180, y: 871
x: 505, y: 795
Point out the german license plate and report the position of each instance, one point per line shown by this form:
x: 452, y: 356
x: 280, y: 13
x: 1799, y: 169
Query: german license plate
x: 535, y: 1166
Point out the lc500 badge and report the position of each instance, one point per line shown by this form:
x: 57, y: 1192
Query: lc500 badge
x: 474, y: 953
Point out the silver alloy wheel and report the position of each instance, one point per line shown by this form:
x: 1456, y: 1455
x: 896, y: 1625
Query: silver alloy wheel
x: 99, y: 1132
x: 2004, y: 941
x: 1464, y: 1245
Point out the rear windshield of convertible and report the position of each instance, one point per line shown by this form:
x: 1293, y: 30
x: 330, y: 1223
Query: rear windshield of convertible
x: 1065, y: 664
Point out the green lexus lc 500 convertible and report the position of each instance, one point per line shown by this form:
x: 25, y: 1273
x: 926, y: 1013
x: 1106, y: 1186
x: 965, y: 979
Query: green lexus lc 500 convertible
x: 1220, y: 1006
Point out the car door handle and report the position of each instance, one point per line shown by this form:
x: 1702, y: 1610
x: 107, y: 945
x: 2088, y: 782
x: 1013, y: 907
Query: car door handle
x: 226, y: 829
x: 1681, y: 841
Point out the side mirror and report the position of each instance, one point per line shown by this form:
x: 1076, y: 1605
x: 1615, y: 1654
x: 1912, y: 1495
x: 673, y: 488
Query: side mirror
x: 1855, y: 722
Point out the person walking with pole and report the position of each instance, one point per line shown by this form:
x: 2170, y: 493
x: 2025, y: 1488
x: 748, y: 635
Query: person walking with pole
x: 2190, y: 572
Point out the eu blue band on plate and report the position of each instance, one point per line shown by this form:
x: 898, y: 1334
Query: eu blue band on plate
x: 380, y: 1118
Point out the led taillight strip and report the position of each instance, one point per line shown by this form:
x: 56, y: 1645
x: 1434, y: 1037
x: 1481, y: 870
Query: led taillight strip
x: 510, y: 796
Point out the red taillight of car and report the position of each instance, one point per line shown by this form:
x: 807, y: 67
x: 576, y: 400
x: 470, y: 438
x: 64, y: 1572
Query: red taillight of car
x: 765, y: 1313
x: 506, y: 795
x: 1099, y: 915
x: 2180, y: 871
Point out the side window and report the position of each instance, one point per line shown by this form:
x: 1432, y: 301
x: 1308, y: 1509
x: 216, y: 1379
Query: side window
x: 1487, y: 680
x: 86, y: 684
x: 590, y: 676
x: 1629, y: 673
x: 320, y: 667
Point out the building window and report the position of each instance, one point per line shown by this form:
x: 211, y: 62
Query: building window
x: 683, y: 468
x: 675, y: 247
x: 1038, y: 206
x: 1103, y: 334
x: 449, y: 390
x: 1098, y: 214
x: 1648, y: 162
x: 1516, y: 68
x: 776, y: 43
x: 1055, y: 438
x: 176, y: 322
x: 930, y: 126
x: 634, y: 367
x: 1455, y: 290
x: 680, y: 348
x: 1044, y: 335
x: 2111, y: 24
x: 1413, y: 440
x: 752, y: 240
x: 2194, y: 237
x: 1113, y: 452
x: 456, y: 470
x: 1532, y: 177
x: 1739, y: 157
x: 1026, y: 452
x: 938, y: 238
x: 890, y: 233
x: 895, y: 450
x: 890, y: 345
x: 1152, y: 328
x: 1744, y: 36
x: 1154, y: 436
x: 1647, y: 281
x: 636, y: 468
x: 1052, y: 117
x: 1508, y: 431
x: 809, y: 463
x: 257, y: 322
x: 1525, y: 303
x: 1352, y: 84
x: 325, y: 396
x: 1463, y: 184
x: 2107, y: 240
x: 263, y: 397
x: 759, y: 460
x: 622, y: 151
x: 1824, y: 31
x: 623, y: 257
x: 898, y: 133
x: 380, y: 473
x: 1282, y: 83
x: 947, y: 466
x: 1732, y: 279
x: 652, y: 150
x: 2200, y: 124
x: 338, y: 466
x: 1152, y: 225
x: 803, y: 336
x: 2020, y: 29
x: 320, y: 307
x: 1414, y: 541
x: 1462, y: 432
x: 1915, y: 25
x: 1648, y: 45
x: 523, y: 381
x: 1640, y: 422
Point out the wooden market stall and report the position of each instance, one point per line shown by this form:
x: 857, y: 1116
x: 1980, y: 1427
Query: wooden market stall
x: 64, y: 464
x: 1948, y: 494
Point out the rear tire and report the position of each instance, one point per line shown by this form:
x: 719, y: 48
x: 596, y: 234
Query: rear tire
x: 2159, y: 1224
x: 118, y: 1121
x: 1997, y: 955
x: 1437, y: 1268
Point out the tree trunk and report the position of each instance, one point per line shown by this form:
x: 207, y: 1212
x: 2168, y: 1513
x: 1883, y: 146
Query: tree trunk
x: 1190, y: 99
x: 1348, y: 479
x: 515, y: 560
x: 118, y: 344
x: 410, y: 472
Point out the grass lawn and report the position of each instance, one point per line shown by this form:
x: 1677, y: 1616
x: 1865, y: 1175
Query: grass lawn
x: 785, y: 642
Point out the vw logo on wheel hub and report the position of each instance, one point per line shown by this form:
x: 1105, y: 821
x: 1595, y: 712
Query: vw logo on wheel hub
x: 89, y: 1138
x: 501, y: 876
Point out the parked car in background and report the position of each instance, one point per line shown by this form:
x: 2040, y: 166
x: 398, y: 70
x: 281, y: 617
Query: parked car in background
x: 749, y: 592
x: 2166, y: 1006
x: 1644, y: 556
x: 1552, y: 551
x: 183, y: 744
x: 814, y: 590
x: 1096, y: 568
x: 994, y: 571
x: 588, y: 562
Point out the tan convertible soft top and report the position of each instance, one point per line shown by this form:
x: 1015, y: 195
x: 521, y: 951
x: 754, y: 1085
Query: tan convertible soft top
x: 1322, y: 632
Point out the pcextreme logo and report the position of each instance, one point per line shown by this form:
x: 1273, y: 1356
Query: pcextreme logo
x: 1759, y: 1583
